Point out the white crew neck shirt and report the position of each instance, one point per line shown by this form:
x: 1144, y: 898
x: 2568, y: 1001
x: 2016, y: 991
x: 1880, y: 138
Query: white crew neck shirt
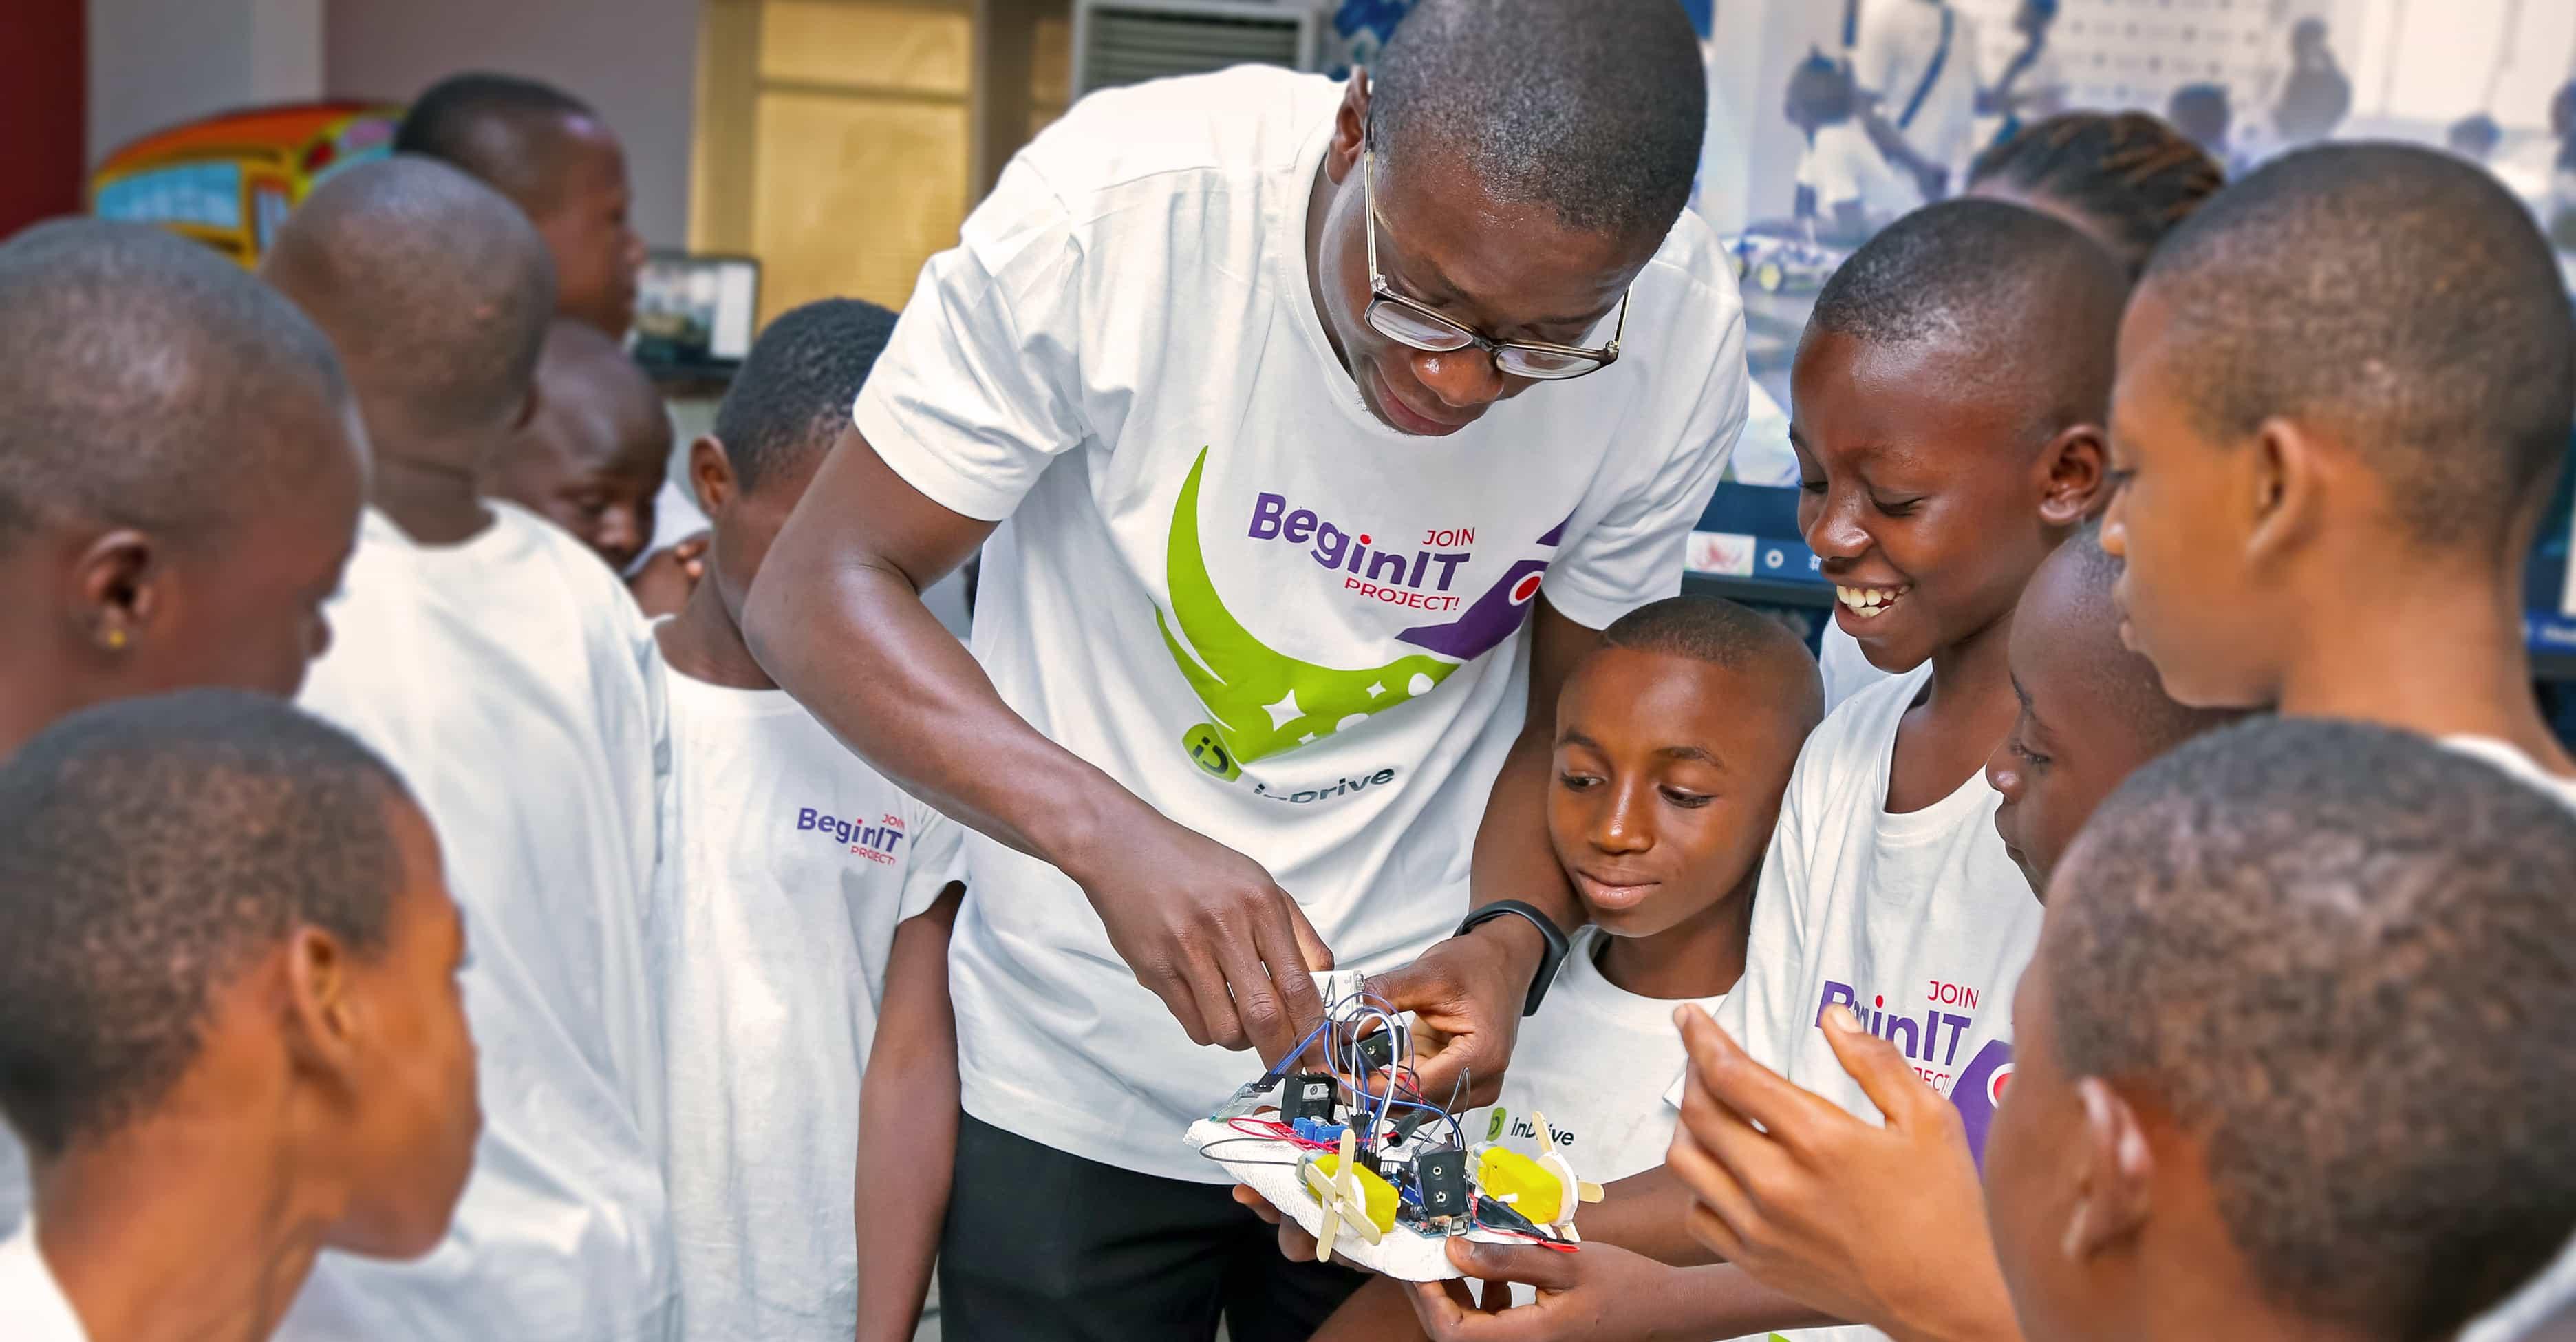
x: 1919, y: 923
x: 515, y: 687
x: 796, y: 861
x: 32, y: 1305
x: 1597, y: 1062
x: 1212, y: 547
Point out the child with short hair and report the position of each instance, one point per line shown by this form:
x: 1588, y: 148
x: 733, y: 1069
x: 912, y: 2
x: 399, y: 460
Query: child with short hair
x: 2278, y: 1072
x: 1662, y: 801
x: 811, y: 890
x: 593, y: 457
x: 2124, y: 180
x: 504, y: 670
x: 2354, y: 372
x: 230, y: 1025
x: 2092, y: 711
x: 179, y: 484
x: 1949, y: 396
x: 555, y: 159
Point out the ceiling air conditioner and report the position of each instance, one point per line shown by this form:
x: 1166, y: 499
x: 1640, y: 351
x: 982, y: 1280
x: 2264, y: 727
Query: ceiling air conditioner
x: 1130, y: 41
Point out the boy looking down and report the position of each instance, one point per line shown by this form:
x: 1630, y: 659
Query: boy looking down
x: 592, y: 458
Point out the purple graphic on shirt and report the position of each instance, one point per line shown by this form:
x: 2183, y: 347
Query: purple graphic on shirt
x: 1979, y: 1090
x: 1495, y: 615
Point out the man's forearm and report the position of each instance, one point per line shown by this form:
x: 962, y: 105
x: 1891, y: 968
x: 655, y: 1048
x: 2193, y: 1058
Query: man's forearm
x: 895, y: 686
x: 1721, y: 1300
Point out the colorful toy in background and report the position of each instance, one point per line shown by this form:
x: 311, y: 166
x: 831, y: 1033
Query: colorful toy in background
x: 228, y: 180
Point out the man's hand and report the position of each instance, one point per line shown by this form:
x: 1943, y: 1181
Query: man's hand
x: 667, y: 578
x: 1295, y: 1244
x: 1466, y: 995
x: 1598, y: 1293
x: 1809, y: 1202
x: 1210, y: 933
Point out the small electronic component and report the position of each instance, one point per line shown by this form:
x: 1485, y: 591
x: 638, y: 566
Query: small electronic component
x: 1310, y: 1095
x: 1530, y: 1188
x: 1378, y: 1049
x: 1321, y: 1133
x: 1246, y: 1099
x: 1440, y: 1181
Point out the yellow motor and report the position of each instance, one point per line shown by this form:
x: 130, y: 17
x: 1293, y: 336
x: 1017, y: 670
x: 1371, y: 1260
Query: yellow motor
x: 1376, y: 1195
x: 1528, y: 1187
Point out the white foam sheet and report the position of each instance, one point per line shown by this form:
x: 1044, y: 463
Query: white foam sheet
x: 1401, y: 1254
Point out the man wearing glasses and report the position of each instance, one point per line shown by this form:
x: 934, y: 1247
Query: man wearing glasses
x: 1277, y: 594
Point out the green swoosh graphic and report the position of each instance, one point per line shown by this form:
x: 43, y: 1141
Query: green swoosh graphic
x: 1265, y: 702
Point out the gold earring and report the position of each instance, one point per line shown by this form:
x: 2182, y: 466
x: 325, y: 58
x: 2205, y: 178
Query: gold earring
x: 115, y: 639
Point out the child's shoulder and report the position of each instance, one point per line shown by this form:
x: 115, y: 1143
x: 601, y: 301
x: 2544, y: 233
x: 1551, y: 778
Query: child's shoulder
x: 1849, y: 749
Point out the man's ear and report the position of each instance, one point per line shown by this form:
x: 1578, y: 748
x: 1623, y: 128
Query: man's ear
x: 2072, y: 475
x: 325, y: 1028
x: 2112, y: 1199
x: 711, y: 475
x: 1350, y: 127
x: 2285, y: 479
x: 120, y: 587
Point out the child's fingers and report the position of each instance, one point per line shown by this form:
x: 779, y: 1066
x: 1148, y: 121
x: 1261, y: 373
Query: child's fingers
x: 1527, y: 1264
x: 1746, y: 1087
x: 1883, y: 1073
x: 1711, y: 1184
x: 1440, y: 1306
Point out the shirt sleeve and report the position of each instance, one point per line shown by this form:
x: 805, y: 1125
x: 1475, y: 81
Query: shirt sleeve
x: 1633, y: 554
x: 938, y: 857
x: 977, y: 391
x: 1874, y: 55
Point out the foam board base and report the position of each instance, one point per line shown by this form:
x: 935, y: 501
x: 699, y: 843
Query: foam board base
x: 1401, y: 1254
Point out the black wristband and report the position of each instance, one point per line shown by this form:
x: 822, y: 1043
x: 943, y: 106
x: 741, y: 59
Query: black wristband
x: 1549, y: 959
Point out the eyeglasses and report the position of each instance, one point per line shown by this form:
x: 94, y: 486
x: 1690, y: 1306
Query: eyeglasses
x: 1425, y: 328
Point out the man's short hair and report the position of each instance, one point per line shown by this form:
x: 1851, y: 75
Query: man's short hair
x: 150, y: 849
x: 149, y: 382
x: 1594, y: 109
x: 2340, y: 954
x: 1730, y: 636
x: 794, y: 393
x: 2028, y: 296
x: 500, y: 128
x: 437, y: 290
x: 2396, y: 297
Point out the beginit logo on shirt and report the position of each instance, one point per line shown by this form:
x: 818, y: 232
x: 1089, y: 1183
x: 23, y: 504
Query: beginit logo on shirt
x: 874, y: 842
x: 1932, y: 1042
x: 1265, y: 702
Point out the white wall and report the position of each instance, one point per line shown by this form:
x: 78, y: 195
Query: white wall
x: 634, y: 60
x: 155, y: 63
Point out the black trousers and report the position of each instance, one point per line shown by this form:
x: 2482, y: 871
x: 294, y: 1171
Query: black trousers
x: 1041, y: 1245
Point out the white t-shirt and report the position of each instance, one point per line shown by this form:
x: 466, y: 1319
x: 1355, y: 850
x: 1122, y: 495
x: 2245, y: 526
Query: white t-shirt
x: 517, y: 690
x: 32, y: 1307
x: 1847, y: 670
x: 1919, y: 923
x: 2555, y: 1287
x: 795, y: 862
x: 1899, y: 39
x: 1213, y: 552
x: 1841, y: 166
x: 1597, y: 1062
